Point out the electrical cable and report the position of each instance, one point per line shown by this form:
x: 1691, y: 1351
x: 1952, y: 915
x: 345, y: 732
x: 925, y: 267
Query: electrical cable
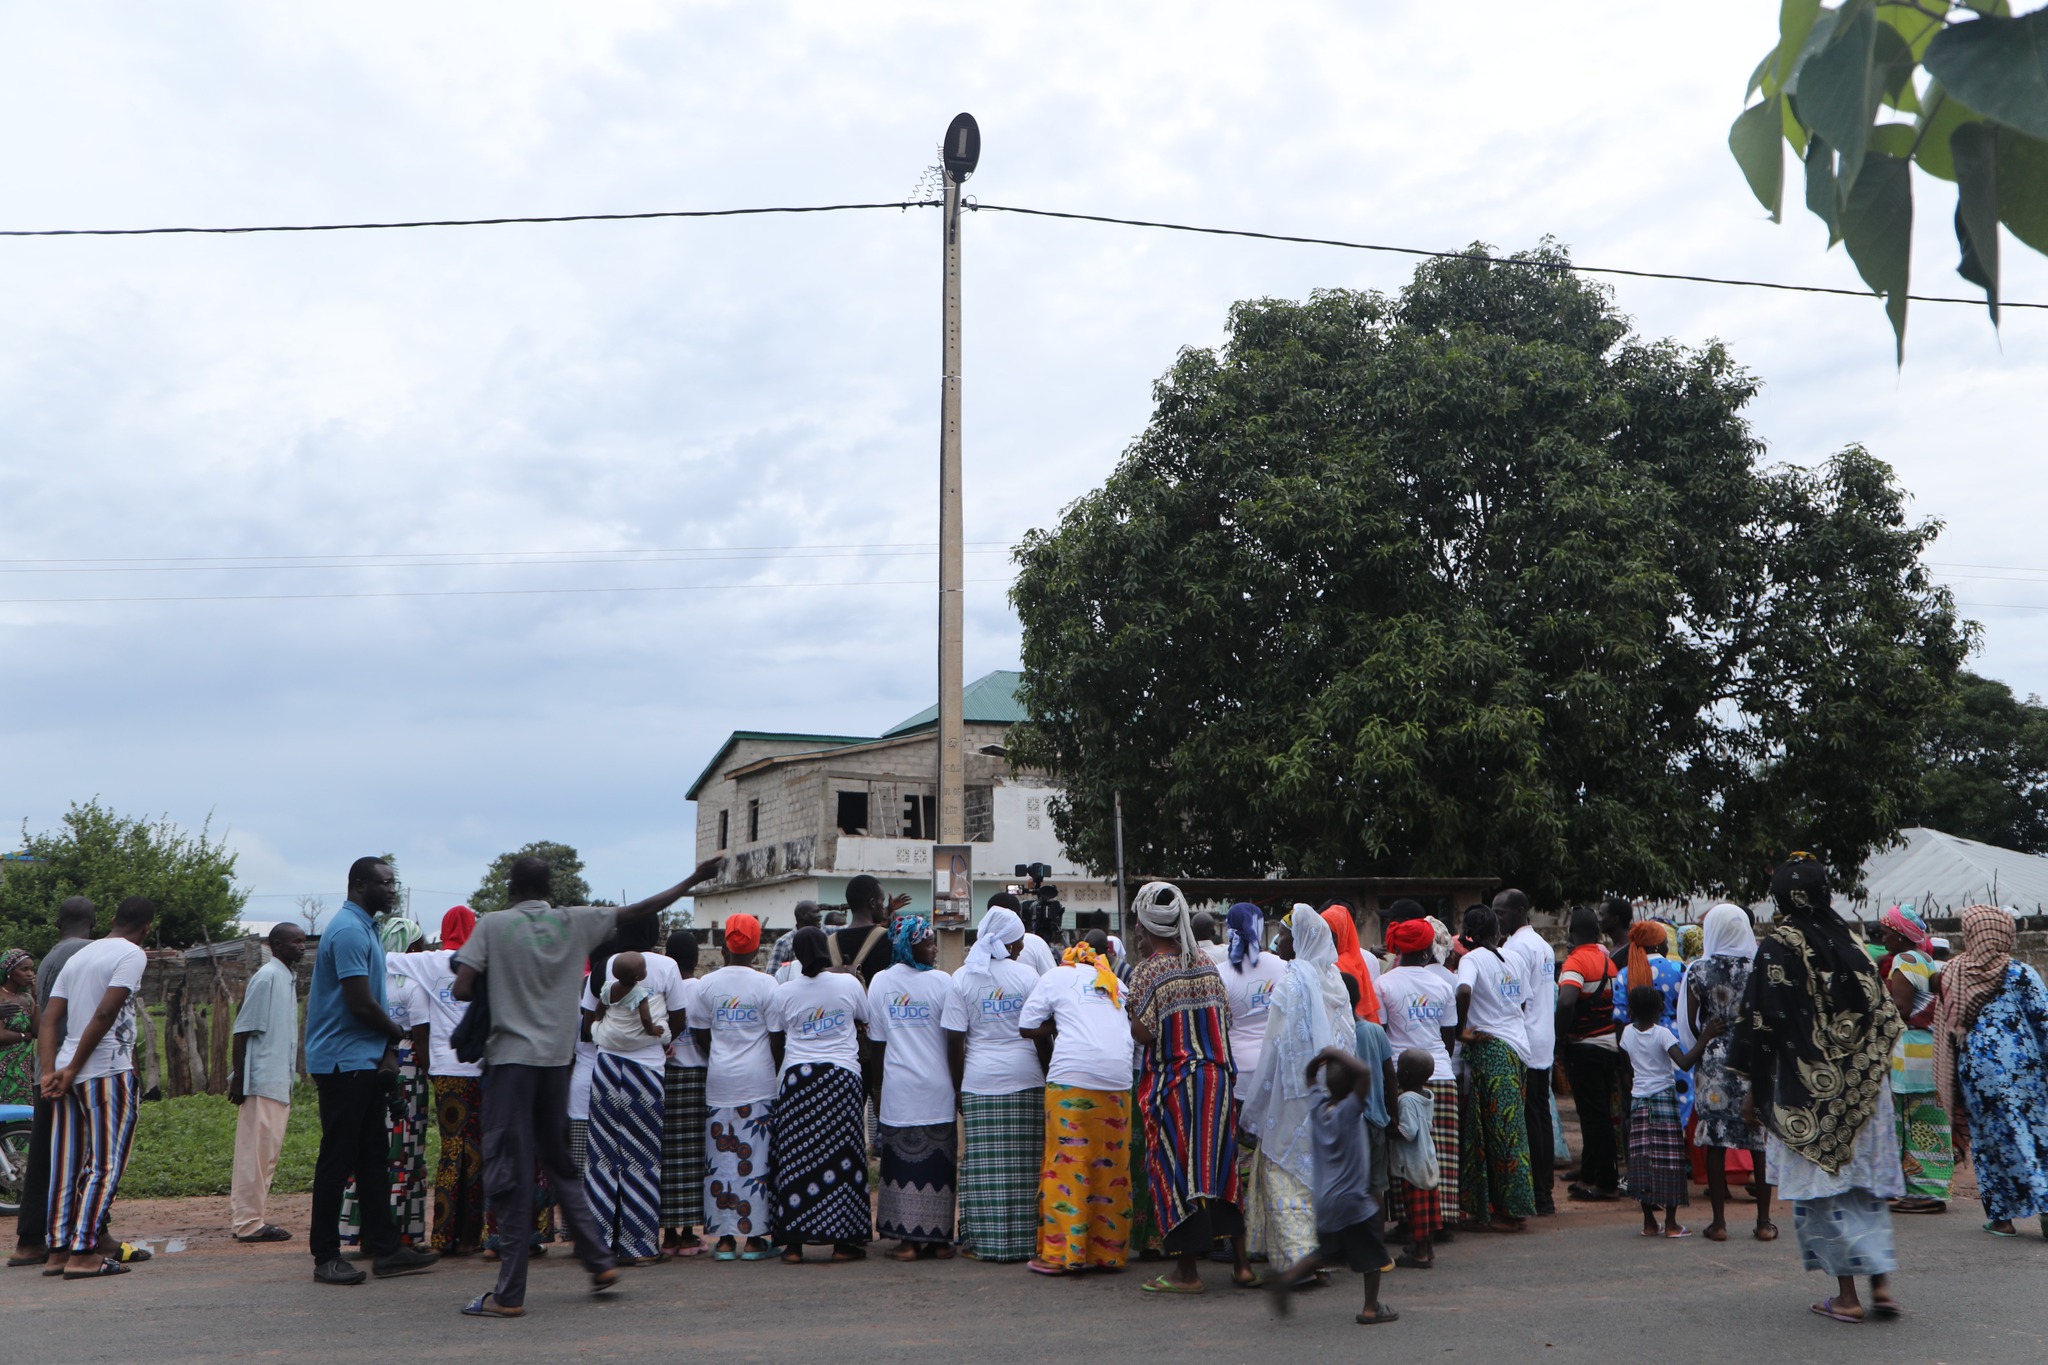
x: 13, y: 567
x: 457, y: 222
x: 493, y: 592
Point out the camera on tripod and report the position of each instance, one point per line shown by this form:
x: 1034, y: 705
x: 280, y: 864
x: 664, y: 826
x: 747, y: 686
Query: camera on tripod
x: 1042, y: 910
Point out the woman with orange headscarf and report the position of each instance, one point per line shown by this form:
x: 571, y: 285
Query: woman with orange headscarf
x: 1351, y: 960
x: 1649, y: 964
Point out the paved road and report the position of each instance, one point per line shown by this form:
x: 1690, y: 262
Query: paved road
x: 1583, y: 1287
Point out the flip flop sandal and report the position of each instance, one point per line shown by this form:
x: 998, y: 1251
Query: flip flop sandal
x: 40, y: 1258
x: 1996, y: 1232
x: 133, y: 1255
x: 484, y: 1306
x: 1678, y: 1233
x: 693, y: 1249
x: 1163, y: 1285
x: 1385, y: 1314
x: 107, y: 1266
x: 764, y: 1254
x: 53, y: 1271
x: 1826, y: 1308
x: 1257, y: 1281
x: 1888, y: 1308
x: 725, y: 1255
x: 1038, y: 1267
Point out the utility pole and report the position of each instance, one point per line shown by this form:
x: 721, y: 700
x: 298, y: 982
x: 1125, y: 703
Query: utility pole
x: 962, y: 149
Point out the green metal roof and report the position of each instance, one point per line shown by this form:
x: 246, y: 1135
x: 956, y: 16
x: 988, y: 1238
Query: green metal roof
x: 717, y: 759
x: 990, y: 700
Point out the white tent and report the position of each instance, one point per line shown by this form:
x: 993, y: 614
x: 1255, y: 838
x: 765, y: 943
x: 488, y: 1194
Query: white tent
x: 1940, y: 874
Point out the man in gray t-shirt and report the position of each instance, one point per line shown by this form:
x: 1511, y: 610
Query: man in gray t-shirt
x: 526, y: 962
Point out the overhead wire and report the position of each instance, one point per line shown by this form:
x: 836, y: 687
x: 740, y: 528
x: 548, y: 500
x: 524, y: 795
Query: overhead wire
x: 492, y: 592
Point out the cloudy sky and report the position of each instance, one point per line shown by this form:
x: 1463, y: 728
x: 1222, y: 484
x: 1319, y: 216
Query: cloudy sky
x: 350, y: 420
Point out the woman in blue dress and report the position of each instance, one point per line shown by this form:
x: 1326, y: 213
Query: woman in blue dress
x: 1991, y: 1052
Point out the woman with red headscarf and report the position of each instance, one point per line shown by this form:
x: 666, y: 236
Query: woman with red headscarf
x: 1351, y: 960
x: 458, y: 1090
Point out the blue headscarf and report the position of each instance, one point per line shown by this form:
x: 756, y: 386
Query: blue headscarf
x: 1247, y: 926
x: 905, y: 934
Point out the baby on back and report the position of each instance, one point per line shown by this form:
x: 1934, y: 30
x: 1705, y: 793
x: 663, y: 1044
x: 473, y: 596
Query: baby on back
x: 628, y: 1022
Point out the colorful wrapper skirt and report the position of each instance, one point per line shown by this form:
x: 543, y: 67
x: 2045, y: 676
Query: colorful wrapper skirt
x: 920, y: 1170
x: 1657, y: 1166
x: 999, y: 1167
x: 406, y: 1129
x: 1445, y: 1121
x: 1927, y: 1151
x: 1190, y: 1140
x: 1844, y: 1234
x: 684, y: 1114
x: 739, y: 1196
x: 459, y: 1174
x: 1280, y: 1213
x: 623, y: 1177
x: 1495, y: 1181
x: 820, y: 1157
x: 1084, y: 1182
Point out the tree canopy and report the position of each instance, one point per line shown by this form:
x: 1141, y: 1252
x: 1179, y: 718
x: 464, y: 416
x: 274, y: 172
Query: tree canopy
x: 565, y: 871
x: 1987, y: 767
x: 110, y: 857
x: 1474, y: 581
x: 1865, y: 90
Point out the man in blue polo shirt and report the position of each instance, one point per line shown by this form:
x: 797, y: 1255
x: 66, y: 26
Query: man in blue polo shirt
x: 351, y: 1054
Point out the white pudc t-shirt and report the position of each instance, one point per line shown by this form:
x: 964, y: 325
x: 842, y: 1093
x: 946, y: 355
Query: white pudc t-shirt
x: 1250, y: 992
x: 1649, y: 1051
x: 1496, y: 1008
x: 732, y: 1006
x: 1419, y: 1003
x: 986, y: 1006
x: 1092, y: 1048
x: 1038, y: 955
x: 94, y: 970
x: 435, y: 973
x: 1531, y: 955
x: 906, y: 1008
x: 819, y: 1018
x: 686, y: 1053
x: 405, y: 1001
x: 665, y: 996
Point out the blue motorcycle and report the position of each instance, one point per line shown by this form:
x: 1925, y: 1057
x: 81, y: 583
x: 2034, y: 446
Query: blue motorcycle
x: 14, y: 1130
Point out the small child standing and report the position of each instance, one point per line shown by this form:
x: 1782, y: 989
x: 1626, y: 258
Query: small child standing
x: 1412, y: 1156
x: 1345, y: 1207
x: 1657, y: 1166
x: 628, y: 1020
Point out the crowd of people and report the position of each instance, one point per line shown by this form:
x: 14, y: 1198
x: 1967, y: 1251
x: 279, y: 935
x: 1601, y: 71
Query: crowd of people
x: 1282, y: 1095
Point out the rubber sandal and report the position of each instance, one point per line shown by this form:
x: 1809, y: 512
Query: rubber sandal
x: 1993, y: 1230
x: 1038, y: 1267
x: 683, y: 1253
x: 133, y: 1255
x: 1385, y: 1314
x: 766, y: 1253
x: 1257, y: 1281
x: 1407, y: 1262
x: 1826, y: 1308
x: 725, y: 1255
x: 1681, y: 1232
x: 40, y: 1258
x: 53, y: 1271
x: 107, y: 1266
x: 484, y: 1306
x: 1162, y: 1285
x: 1888, y: 1308
x: 1766, y: 1232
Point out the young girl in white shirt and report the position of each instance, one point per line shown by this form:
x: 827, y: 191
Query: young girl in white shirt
x: 1657, y: 1166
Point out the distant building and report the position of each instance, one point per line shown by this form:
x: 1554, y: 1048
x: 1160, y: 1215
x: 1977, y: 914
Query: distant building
x: 798, y: 815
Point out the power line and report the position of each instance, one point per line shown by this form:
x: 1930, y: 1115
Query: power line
x: 9, y: 568
x: 507, y: 556
x: 1482, y: 257
x: 457, y: 222
x: 907, y: 204
x: 492, y: 592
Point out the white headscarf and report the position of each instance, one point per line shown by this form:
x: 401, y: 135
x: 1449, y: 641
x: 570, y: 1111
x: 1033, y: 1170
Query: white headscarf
x: 1726, y: 932
x: 1310, y: 1010
x: 998, y: 930
x: 1163, y: 911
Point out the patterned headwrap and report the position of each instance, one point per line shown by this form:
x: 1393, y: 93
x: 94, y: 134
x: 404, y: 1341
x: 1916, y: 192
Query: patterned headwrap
x: 1440, y: 944
x: 1690, y: 942
x: 398, y: 934
x: 1163, y: 911
x: 11, y: 959
x: 1247, y: 926
x: 905, y: 934
x: 1082, y: 955
x: 1970, y: 981
x: 1901, y: 919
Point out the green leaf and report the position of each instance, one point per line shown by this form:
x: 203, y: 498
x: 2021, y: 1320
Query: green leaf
x: 1795, y: 27
x: 1753, y: 138
x: 1877, y: 228
x: 1839, y: 88
x: 2023, y: 187
x: 1893, y: 139
x: 1913, y: 24
x: 1975, y: 148
x: 1820, y: 186
x: 1817, y: 37
x: 1893, y: 65
x: 1756, y: 77
x: 1941, y: 114
x: 1795, y: 131
x: 1999, y: 67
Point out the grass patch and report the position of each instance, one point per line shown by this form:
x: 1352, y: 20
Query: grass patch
x: 186, y: 1148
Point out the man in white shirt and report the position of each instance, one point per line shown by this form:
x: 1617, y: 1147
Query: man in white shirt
x: 86, y: 1056
x: 266, y: 1065
x: 1533, y: 959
